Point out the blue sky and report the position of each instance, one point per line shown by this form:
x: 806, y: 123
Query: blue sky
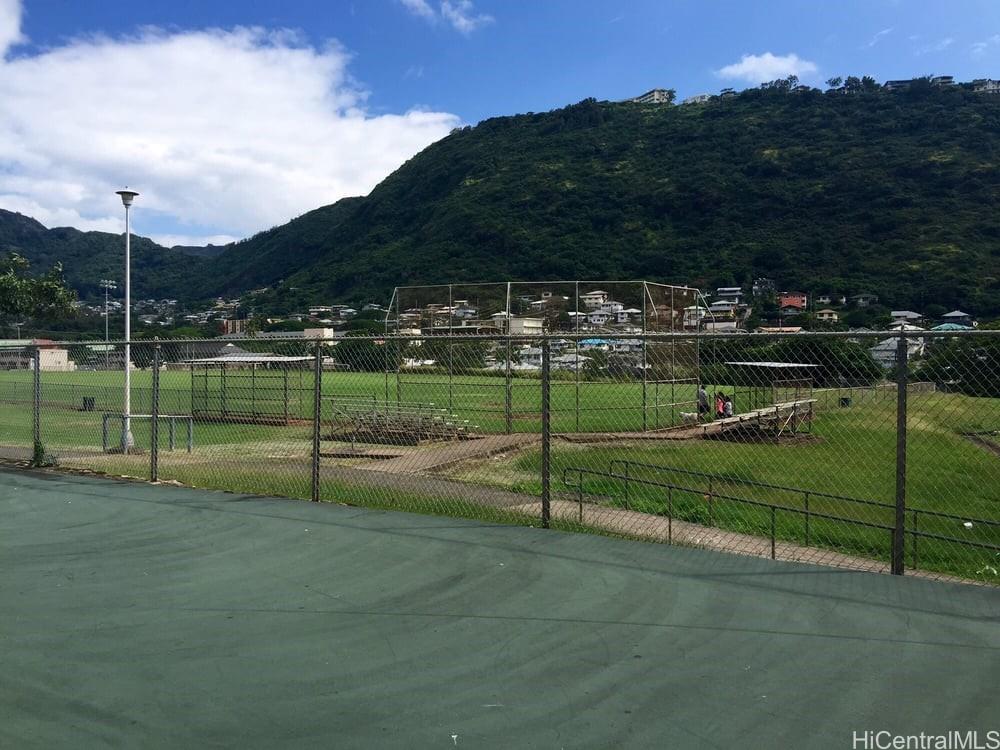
x: 380, y: 79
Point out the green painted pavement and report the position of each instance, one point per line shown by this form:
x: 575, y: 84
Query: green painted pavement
x: 140, y: 616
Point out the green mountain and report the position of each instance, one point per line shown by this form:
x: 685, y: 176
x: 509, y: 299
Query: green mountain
x: 896, y: 193
x: 88, y: 257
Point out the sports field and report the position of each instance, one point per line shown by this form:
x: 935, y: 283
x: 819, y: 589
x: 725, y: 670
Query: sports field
x: 143, y: 616
x: 849, y: 451
x: 608, y: 405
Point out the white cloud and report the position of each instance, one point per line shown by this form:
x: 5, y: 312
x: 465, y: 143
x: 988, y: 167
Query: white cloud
x: 767, y: 67
x: 877, y: 38
x: 463, y: 16
x: 223, y: 132
x: 419, y: 8
x: 939, y: 46
x: 981, y: 48
x: 10, y: 25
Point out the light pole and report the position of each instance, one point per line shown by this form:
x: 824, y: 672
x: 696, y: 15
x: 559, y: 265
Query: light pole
x: 107, y: 285
x: 127, y: 441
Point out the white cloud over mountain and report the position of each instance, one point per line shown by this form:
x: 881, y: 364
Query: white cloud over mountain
x: 224, y: 132
x: 767, y: 67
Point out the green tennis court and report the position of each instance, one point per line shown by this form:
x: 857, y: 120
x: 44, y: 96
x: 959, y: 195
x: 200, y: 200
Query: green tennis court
x: 134, y: 615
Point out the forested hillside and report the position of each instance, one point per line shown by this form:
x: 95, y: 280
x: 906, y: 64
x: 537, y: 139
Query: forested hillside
x: 896, y: 193
x: 88, y: 257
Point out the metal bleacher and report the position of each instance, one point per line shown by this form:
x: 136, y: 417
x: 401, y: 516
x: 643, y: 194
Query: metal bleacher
x: 369, y: 420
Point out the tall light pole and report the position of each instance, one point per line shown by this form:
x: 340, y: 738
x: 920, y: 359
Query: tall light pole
x: 107, y: 285
x: 127, y: 441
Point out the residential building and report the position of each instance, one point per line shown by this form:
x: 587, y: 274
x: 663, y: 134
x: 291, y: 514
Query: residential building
x: 986, y: 86
x: 958, y: 317
x: 864, y: 300
x: 593, y: 300
x: 729, y: 293
x: 943, y: 80
x: 884, y: 352
x: 790, y: 311
x: 722, y: 309
x: 898, y: 85
x: 827, y: 316
x: 697, y: 99
x: 798, y: 300
x: 693, y: 315
x: 905, y: 316
x: 612, y: 307
x: 727, y: 93
x: 830, y: 299
x: 234, y: 326
x: 654, y: 96
x: 526, y: 326
x: 599, y: 317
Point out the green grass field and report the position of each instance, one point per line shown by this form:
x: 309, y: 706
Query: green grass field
x: 587, y: 407
x: 851, y: 452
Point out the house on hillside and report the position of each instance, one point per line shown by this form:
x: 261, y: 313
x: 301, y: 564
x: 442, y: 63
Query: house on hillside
x: 654, y: 96
x: 798, y: 300
x: 958, y: 317
x: 905, y: 316
x: 986, y: 86
x: 827, y: 316
x: 831, y: 299
x: 763, y: 285
x: 729, y: 294
x: 864, y: 299
x: 593, y: 300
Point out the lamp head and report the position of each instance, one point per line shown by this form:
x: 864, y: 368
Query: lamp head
x: 127, y: 196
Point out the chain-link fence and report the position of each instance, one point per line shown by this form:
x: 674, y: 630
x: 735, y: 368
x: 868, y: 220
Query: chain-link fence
x: 876, y: 451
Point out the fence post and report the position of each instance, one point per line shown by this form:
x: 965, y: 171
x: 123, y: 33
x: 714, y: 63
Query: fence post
x: 36, y: 404
x: 545, y: 435
x: 899, y: 528
x: 317, y: 414
x: 154, y: 437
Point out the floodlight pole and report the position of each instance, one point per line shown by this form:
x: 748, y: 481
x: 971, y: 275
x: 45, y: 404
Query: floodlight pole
x: 128, y: 441
x: 107, y: 285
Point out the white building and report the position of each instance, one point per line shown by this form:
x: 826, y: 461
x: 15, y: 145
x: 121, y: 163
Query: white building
x: 654, y: 96
x: 697, y: 99
x: 598, y: 317
x: 729, y: 293
x: 612, y: 307
x: 986, y: 86
x: 526, y: 326
x: 593, y: 300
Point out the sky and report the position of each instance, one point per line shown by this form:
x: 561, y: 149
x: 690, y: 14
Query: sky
x: 231, y: 117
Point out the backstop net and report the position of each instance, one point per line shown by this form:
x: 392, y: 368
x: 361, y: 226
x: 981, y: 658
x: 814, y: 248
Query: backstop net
x: 599, y: 343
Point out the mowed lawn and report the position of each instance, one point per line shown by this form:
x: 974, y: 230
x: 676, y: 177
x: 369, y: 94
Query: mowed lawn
x: 480, y: 400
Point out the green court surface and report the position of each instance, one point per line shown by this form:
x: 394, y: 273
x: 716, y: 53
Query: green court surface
x: 133, y: 615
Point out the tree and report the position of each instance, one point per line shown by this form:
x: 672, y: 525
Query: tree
x: 835, y: 82
x: 22, y: 294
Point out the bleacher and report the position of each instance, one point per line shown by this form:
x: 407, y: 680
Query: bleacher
x: 369, y: 420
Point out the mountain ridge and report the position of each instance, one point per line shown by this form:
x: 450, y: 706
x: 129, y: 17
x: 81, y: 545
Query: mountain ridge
x: 896, y: 193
